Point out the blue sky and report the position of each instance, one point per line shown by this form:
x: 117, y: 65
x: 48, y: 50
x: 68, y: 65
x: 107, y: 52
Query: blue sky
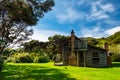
x: 88, y: 18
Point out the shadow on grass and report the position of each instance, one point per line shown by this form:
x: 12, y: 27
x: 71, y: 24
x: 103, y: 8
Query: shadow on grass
x: 23, y: 72
x: 115, y: 64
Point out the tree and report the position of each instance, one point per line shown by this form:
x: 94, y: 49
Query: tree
x: 56, y: 42
x: 34, y: 45
x: 16, y: 16
x: 31, y: 46
x: 91, y: 41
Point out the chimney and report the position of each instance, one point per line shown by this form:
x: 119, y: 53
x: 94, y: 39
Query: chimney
x: 105, y: 46
x: 72, y: 42
x: 72, y: 33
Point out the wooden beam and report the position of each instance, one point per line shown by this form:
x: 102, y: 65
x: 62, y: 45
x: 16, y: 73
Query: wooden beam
x: 84, y: 59
x: 77, y: 59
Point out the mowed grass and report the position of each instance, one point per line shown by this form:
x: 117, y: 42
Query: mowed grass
x: 47, y: 71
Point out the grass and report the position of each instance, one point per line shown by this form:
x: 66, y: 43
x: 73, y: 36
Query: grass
x: 47, y: 71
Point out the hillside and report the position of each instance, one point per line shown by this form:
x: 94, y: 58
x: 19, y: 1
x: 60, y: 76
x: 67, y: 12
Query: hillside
x: 113, y: 41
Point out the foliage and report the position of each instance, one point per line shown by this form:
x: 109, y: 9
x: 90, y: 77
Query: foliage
x: 116, y: 57
x: 51, y: 48
x: 114, y: 48
x: 20, y: 58
x: 92, y: 41
x: 8, y: 52
x: 115, y: 38
x: 41, y: 59
x: 55, y: 45
x: 34, y: 46
x: 47, y: 71
x: 1, y: 63
x: 101, y: 42
x: 16, y: 16
x: 30, y: 46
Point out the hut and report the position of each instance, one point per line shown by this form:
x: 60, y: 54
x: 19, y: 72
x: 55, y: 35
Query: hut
x: 76, y: 52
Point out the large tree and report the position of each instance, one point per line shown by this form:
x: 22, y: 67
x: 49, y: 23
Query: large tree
x: 56, y: 42
x: 33, y: 45
x: 16, y: 16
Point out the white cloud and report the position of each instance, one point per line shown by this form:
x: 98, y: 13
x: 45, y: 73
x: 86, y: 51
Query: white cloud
x: 98, y: 32
x: 95, y: 32
x: 100, y: 10
x: 107, y: 7
x: 42, y: 35
x: 81, y: 2
x: 70, y: 15
x: 66, y: 11
x: 112, y: 30
x: 95, y: 29
x: 104, y: 16
x: 88, y: 35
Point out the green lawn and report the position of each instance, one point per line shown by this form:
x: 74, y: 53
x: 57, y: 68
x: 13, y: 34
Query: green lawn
x: 47, y: 71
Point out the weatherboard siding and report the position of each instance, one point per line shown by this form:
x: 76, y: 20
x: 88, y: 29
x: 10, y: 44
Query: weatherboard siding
x: 102, y: 58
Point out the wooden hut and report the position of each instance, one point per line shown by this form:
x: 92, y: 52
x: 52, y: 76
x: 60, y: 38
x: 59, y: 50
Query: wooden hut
x: 76, y: 52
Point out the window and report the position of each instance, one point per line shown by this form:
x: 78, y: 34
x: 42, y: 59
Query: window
x: 76, y: 43
x: 95, y: 57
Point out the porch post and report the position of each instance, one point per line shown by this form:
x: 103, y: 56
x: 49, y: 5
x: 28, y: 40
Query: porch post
x: 77, y: 59
x: 84, y: 60
x: 63, y: 56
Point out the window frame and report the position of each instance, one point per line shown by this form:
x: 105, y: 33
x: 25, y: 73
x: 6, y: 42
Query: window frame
x: 95, y: 57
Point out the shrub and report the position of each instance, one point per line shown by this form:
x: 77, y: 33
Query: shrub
x: 12, y: 59
x: 44, y: 59
x: 1, y: 64
x: 28, y: 58
x: 41, y: 59
x: 36, y: 60
x: 116, y: 57
x: 20, y: 58
x: 25, y: 58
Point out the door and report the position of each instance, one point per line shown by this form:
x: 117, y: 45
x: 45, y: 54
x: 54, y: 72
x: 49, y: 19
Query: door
x: 81, y: 58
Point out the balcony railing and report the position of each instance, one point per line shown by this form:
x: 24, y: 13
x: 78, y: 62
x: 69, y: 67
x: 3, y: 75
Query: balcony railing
x: 80, y: 44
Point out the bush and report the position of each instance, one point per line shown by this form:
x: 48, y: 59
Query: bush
x: 116, y: 57
x: 1, y: 64
x: 41, y: 59
x: 25, y: 58
x: 20, y: 58
x: 28, y: 58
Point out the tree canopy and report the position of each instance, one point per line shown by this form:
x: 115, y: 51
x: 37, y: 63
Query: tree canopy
x: 16, y: 16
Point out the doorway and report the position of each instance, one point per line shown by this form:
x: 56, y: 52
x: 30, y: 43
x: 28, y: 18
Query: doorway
x: 80, y: 58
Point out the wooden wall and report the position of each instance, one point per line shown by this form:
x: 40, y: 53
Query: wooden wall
x: 102, y: 58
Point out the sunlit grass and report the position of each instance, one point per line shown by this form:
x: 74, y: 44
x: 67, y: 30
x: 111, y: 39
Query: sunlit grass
x: 47, y: 71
